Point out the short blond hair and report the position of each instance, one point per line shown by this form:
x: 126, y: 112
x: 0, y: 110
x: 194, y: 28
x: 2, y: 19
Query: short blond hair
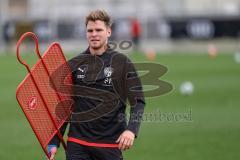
x: 101, y: 15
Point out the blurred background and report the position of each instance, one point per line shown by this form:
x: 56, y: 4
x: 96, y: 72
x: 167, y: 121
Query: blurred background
x: 165, y: 25
x: 198, y: 41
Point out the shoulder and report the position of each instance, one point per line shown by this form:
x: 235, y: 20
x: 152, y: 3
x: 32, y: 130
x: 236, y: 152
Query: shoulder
x: 119, y: 57
x: 75, y: 61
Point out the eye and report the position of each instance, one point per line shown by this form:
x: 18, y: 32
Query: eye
x: 99, y: 30
x: 89, y: 30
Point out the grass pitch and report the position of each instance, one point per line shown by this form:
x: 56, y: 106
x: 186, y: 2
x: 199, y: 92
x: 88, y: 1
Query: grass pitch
x: 211, y: 133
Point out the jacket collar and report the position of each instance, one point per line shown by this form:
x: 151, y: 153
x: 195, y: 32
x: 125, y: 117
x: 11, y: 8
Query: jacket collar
x: 107, y: 51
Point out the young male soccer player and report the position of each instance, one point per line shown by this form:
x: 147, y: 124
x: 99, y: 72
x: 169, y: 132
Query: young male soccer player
x: 103, y: 80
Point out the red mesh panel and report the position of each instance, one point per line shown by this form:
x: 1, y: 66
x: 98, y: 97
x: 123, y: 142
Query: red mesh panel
x: 34, y: 105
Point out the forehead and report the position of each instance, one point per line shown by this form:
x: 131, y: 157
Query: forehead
x: 96, y: 24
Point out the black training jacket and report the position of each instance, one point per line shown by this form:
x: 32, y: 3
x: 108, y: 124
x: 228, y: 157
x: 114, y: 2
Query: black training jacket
x: 102, y: 86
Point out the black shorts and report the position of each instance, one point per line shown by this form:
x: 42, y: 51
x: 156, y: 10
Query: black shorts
x: 77, y: 151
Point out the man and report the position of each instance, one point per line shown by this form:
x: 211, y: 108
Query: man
x: 103, y: 80
x: 136, y: 32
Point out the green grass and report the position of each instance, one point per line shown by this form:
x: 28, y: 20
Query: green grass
x: 213, y: 133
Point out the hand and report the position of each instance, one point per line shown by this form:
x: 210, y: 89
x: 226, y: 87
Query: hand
x: 126, y: 140
x: 52, y: 150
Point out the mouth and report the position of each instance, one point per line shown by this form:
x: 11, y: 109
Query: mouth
x: 94, y: 40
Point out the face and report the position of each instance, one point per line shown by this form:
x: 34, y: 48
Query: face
x: 97, y: 34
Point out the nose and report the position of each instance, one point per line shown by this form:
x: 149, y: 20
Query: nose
x: 94, y: 33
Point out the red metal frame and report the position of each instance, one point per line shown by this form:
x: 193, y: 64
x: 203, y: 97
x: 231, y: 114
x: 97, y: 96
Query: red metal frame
x: 20, y: 41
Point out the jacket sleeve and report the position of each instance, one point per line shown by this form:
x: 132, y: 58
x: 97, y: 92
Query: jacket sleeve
x: 58, y: 78
x: 56, y: 140
x: 135, y: 96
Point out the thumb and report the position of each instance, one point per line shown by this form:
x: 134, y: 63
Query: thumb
x: 52, y: 156
x: 53, y: 152
x: 118, y: 139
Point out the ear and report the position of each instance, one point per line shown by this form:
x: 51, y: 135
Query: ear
x: 109, y: 32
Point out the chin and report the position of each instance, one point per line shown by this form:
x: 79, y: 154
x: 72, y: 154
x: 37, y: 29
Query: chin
x: 95, y: 47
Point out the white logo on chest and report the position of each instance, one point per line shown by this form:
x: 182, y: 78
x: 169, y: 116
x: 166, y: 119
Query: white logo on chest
x: 82, y: 72
x: 108, y: 71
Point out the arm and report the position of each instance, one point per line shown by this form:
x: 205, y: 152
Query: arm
x: 133, y: 89
x: 54, y: 144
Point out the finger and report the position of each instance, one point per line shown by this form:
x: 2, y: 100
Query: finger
x: 118, y: 139
x: 52, y: 156
x: 126, y: 144
x: 131, y: 144
x: 53, y: 152
x: 121, y: 143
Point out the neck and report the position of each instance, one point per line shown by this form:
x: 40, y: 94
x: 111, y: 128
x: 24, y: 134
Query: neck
x: 99, y: 51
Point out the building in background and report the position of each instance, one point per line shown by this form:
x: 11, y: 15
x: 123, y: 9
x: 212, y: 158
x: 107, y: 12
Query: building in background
x: 160, y: 19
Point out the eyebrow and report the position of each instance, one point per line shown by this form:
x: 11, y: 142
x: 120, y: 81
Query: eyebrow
x: 98, y: 29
